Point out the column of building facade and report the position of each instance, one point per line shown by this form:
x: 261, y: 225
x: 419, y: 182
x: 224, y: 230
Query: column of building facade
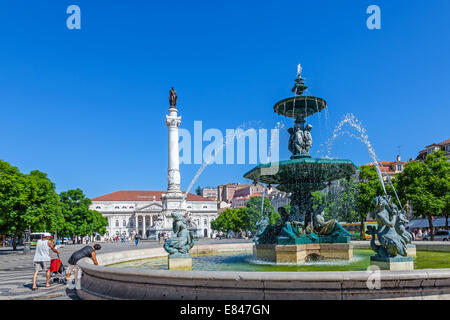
x: 136, y: 223
x: 143, y: 226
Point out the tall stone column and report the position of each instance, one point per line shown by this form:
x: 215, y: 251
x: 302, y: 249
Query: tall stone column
x: 173, y: 173
x: 172, y: 200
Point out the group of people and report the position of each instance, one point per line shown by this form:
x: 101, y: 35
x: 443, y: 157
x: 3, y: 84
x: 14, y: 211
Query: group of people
x: 420, y: 233
x: 42, y: 258
x: 81, y: 240
x: 162, y: 237
x: 118, y: 238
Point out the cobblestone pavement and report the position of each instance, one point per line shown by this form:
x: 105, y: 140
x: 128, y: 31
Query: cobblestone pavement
x: 16, y: 270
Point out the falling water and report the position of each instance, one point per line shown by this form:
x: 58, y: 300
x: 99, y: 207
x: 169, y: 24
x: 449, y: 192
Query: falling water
x: 262, y: 201
x: 353, y: 122
x: 279, y: 126
x: 210, y: 159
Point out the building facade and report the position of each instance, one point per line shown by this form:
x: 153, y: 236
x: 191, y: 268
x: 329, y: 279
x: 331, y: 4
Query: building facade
x: 278, y: 199
x: 444, y: 146
x: 390, y: 168
x: 210, y: 193
x: 142, y: 212
x: 225, y: 192
x: 244, y: 193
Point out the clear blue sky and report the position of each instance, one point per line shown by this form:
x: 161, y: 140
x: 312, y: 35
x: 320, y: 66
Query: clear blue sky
x: 88, y: 106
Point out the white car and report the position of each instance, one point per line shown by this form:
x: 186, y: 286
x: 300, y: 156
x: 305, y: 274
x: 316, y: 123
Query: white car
x: 441, y: 235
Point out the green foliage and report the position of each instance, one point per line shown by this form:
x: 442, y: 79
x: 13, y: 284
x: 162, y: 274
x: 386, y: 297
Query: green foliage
x: 30, y: 200
x: 198, y: 191
x: 255, y: 214
x: 230, y: 220
x: 79, y: 220
x: 245, y: 218
x: 427, y: 185
x: 339, y: 201
x: 27, y: 200
x: 44, y: 207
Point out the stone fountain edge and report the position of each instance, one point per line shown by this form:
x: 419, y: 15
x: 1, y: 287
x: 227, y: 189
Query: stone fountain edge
x: 103, y: 282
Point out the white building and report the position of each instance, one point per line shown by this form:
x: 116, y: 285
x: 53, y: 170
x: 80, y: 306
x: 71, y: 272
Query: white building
x: 127, y: 210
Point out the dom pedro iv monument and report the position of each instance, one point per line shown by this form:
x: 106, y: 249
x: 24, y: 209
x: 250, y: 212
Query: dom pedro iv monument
x: 148, y: 212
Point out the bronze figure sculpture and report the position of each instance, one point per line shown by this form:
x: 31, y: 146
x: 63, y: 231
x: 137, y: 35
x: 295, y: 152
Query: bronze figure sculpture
x: 173, y: 97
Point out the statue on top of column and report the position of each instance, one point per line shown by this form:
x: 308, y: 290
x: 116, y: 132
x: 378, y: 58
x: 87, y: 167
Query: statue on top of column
x: 173, y: 97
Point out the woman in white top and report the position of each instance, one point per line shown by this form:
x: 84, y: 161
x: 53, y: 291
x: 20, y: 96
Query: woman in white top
x: 42, y: 259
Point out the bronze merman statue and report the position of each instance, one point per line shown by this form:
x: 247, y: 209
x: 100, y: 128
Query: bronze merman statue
x: 173, y: 97
x: 183, y: 240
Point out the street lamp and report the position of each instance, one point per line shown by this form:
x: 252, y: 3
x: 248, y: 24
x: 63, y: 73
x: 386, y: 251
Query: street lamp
x: 26, y: 243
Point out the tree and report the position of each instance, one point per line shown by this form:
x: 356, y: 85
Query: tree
x: 255, y: 214
x: 27, y: 201
x: 369, y: 187
x: 427, y: 185
x: 338, y: 200
x: 44, y: 208
x: 230, y: 220
x: 79, y: 220
x: 198, y: 191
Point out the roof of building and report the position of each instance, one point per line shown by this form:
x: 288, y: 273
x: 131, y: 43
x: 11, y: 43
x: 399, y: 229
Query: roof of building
x: 387, y: 166
x: 443, y: 143
x: 141, y: 196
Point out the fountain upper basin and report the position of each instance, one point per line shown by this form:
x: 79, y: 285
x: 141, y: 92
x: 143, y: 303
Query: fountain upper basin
x: 305, y: 173
x: 299, y: 106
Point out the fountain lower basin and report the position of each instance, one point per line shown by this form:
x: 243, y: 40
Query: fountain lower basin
x: 106, y: 282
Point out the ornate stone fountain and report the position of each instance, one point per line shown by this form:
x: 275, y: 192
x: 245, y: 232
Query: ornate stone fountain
x: 302, y: 233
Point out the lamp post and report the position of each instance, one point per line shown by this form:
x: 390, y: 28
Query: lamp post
x: 26, y: 243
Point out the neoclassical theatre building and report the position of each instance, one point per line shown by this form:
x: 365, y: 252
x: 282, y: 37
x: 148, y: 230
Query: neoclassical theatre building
x: 149, y: 212
x: 144, y: 212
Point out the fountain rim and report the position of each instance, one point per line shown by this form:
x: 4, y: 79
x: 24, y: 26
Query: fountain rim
x: 106, y: 282
x: 321, y: 104
x: 87, y: 264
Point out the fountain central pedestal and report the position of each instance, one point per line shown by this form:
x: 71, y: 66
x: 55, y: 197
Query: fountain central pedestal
x: 294, y: 254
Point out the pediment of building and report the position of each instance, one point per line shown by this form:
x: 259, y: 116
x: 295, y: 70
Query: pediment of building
x: 151, y: 207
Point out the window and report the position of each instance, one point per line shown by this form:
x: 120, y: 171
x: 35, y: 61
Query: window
x: 124, y: 207
x: 399, y: 167
x: 205, y: 222
x: 124, y: 223
x: 97, y: 207
x: 131, y: 207
x: 117, y: 223
x: 131, y: 223
x: 430, y: 150
x: 447, y: 148
x: 204, y: 207
x: 116, y: 207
